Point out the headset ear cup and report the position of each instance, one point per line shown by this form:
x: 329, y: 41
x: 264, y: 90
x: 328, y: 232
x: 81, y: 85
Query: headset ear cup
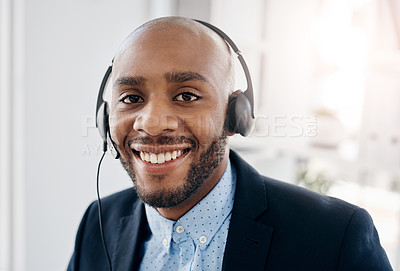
x: 232, y: 114
x: 239, y: 115
x: 102, y: 121
x: 104, y: 129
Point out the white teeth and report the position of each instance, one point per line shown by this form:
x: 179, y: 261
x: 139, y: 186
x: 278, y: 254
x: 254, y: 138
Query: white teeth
x: 153, y: 158
x: 159, y: 158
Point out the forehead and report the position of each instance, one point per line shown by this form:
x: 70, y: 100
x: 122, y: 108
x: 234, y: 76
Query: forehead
x: 173, y: 48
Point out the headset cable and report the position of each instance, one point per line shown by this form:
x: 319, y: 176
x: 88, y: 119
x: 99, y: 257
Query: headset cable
x: 100, y: 214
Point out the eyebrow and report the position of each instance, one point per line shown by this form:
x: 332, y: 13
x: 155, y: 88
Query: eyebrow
x: 181, y: 77
x: 170, y: 77
x: 133, y: 81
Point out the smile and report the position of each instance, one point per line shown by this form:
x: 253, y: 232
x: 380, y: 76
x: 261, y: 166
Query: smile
x: 160, y: 158
x: 159, y: 154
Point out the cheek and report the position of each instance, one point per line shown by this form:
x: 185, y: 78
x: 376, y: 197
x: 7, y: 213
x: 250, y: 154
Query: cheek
x: 206, y: 126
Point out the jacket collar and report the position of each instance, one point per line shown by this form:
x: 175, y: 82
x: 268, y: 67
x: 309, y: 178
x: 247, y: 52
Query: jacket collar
x: 251, y: 199
x: 132, y: 232
x: 248, y: 240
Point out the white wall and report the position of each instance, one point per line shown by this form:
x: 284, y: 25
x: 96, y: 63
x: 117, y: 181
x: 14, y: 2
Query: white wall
x: 69, y: 44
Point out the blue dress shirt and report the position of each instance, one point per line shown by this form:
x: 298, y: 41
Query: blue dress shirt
x: 196, y: 241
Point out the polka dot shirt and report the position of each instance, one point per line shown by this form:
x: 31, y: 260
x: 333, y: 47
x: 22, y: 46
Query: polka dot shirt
x: 197, y: 240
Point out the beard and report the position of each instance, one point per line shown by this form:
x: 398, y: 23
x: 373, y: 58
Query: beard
x: 199, y: 171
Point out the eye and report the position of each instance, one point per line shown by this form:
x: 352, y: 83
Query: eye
x: 186, y: 97
x: 132, y: 99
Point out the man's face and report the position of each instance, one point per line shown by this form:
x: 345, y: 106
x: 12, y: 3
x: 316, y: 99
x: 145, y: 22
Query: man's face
x: 167, y: 115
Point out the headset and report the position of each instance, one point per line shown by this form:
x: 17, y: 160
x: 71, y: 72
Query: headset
x: 240, y: 115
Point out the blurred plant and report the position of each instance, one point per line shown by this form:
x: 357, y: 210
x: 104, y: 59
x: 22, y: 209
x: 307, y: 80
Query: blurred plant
x: 313, y: 179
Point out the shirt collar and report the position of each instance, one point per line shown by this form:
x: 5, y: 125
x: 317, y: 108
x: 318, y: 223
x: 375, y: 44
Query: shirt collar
x: 201, y: 222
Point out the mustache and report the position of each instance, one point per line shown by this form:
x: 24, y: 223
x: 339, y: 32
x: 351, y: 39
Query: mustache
x: 163, y: 140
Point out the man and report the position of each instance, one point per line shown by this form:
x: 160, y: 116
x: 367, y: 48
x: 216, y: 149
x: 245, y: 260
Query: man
x: 195, y: 204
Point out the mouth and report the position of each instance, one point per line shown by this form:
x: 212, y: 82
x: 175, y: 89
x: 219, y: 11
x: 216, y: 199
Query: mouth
x: 160, y: 157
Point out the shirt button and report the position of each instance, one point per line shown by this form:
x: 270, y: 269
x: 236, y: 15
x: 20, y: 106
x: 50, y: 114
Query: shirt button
x: 203, y: 239
x: 165, y: 242
x: 180, y: 229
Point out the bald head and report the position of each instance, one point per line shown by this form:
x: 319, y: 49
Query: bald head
x: 180, y: 33
x: 167, y: 23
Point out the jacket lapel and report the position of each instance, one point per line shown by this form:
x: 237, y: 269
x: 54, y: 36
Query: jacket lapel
x: 248, y: 240
x: 130, y: 234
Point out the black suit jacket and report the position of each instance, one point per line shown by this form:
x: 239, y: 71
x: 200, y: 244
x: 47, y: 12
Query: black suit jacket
x: 274, y: 226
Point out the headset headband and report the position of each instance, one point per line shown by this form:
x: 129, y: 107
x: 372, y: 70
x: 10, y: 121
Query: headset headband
x: 249, y: 90
x: 103, y: 85
x: 248, y: 93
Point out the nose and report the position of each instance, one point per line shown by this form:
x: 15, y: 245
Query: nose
x: 156, y: 118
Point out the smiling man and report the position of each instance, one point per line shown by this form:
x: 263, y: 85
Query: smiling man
x: 196, y: 205
x: 171, y: 83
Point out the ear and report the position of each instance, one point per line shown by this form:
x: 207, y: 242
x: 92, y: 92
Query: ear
x: 235, y: 93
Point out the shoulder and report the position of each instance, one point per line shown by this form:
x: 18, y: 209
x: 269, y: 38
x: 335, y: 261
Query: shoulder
x: 285, y: 197
x: 324, y: 231
x: 288, y: 197
x: 295, y: 213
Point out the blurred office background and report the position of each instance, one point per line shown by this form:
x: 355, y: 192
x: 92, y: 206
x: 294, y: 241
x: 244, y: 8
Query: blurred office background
x: 327, y: 82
